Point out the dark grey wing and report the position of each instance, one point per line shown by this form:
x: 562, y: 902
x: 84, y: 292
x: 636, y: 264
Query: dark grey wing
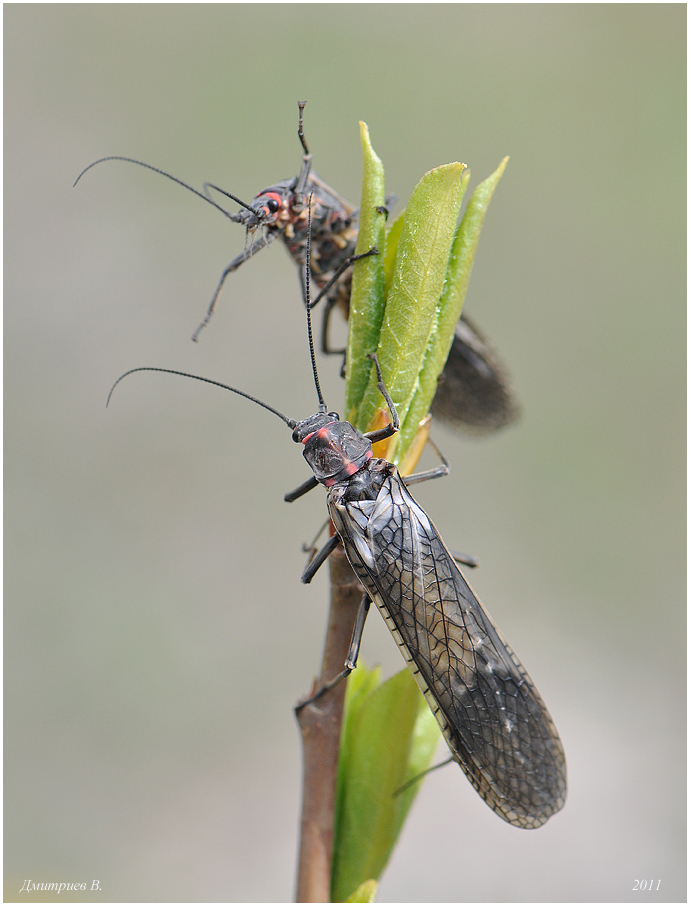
x: 488, y: 708
x: 474, y: 393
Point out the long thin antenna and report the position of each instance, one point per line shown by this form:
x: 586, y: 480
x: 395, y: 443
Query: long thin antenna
x: 227, y: 194
x: 308, y: 305
x: 210, y: 201
x: 291, y: 423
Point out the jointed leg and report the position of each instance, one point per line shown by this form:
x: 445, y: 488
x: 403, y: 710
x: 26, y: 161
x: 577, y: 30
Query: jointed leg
x: 351, y: 658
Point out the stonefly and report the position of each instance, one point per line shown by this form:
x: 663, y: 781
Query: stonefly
x: 474, y: 393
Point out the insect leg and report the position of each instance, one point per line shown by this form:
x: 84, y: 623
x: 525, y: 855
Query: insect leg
x: 340, y: 270
x: 319, y: 558
x: 299, y: 199
x: 355, y: 640
x: 420, y: 776
x: 331, y: 303
x: 466, y: 559
x: 312, y: 546
x: 298, y: 492
x: 326, y: 348
x: 263, y: 241
x: 395, y: 424
x: 436, y: 473
x: 301, y: 131
x: 306, y: 160
x: 351, y: 658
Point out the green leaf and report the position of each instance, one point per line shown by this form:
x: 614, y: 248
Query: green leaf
x: 462, y: 258
x: 422, y: 256
x: 364, y: 894
x: 387, y: 739
x: 451, y: 302
x: 367, y: 292
x: 392, y: 238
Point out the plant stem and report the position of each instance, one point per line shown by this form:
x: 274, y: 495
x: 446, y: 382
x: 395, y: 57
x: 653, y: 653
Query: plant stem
x: 320, y: 726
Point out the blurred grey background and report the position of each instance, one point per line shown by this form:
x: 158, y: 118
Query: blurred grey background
x: 157, y: 634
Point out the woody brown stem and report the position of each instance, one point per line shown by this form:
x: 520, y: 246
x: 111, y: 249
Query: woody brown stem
x: 320, y: 726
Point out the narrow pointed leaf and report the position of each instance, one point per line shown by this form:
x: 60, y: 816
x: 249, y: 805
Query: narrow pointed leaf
x: 463, y: 252
x: 367, y: 293
x: 451, y: 302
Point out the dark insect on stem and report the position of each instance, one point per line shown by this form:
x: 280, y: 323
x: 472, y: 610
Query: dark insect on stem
x: 489, y: 710
x: 474, y: 393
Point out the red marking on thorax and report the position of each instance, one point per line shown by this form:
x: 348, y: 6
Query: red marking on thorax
x: 320, y: 432
x: 349, y: 468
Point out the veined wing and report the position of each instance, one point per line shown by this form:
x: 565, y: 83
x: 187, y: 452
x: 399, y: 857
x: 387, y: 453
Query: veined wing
x: 488, y: 708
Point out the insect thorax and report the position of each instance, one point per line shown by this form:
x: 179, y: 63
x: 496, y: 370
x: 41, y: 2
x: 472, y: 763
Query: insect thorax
x: 334, y: 449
